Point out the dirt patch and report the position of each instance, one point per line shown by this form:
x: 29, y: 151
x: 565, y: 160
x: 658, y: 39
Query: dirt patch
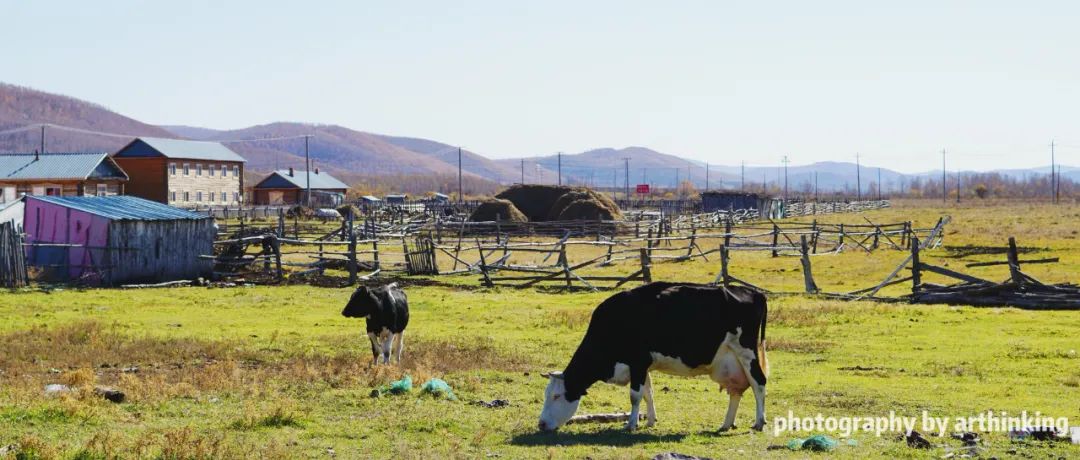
x: 798, y: 346
x: 155, y: 368
x: 960, y: 252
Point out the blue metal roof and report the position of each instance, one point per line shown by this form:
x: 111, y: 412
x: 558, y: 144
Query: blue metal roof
x: 179, y: 149
x: 121, y: 207
x: 282, y: 179
x: 66, y: 166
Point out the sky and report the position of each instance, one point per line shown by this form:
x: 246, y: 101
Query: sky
x: 991, y: 82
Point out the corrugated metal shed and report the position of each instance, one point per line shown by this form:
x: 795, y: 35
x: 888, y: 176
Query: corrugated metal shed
x: 282, y: 179
x: 66, y: 166
x: 178, y: 148
x: 122, y: 207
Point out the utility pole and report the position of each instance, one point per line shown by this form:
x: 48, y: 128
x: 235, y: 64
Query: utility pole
x: 958, y: 176
x: 626, y: 160
x: 1054, y: 178
x: 307, y: 166
x: 43, y: 138
x: 460, y: 188
x: 785, y: 161
x: 944, y: 192
x: 815, y: 187
x: 858, y: 178
x: 742, y: 186
x: 706, y: 176
x: 522, y: 171
x: 560, y: 168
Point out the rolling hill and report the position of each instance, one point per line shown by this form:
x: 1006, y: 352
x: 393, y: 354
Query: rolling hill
x: 357, y: 156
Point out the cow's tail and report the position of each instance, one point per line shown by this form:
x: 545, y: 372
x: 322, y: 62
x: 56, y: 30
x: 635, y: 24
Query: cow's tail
x: 761, y: 356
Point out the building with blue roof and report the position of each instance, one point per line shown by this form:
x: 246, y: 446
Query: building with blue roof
x: 183, y: 173
x: 114, y: 240
x: 289, y: 186
x: 59, y: 174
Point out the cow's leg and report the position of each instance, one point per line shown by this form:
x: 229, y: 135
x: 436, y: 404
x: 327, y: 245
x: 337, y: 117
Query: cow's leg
x: 400, y: 338
x: 732, y: 408
x: 756, y: 378
x: 638, y: 375
x: 376, y: 347
x: 650, y: 409
x: 388, y: 341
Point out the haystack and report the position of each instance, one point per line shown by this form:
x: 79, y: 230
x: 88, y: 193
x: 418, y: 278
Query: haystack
x: 600, y: 204
x: 534, y: 201
x: 542, y: 203
x: 503, y: 210
x: 588, y: 209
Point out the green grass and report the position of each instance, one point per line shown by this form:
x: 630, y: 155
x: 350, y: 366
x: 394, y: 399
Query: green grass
x: 276, y: 372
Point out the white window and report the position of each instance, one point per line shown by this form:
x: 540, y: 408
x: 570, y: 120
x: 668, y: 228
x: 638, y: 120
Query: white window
x: 187, y: 170
x: 187, y: 196
x: 211, y: 197
x: 198, y: 169
x: 102, y: 189
x: 172, y: 169
x: 224, y: 197
x: 236, y: 196
x: 211, y: 168
x: 198, y: 196
x: 236, y: 171
x: 172, y: 195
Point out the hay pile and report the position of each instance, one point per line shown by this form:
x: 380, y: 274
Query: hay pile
x: 541, y: 203
x: 503, y: 210
x: 584, y: 204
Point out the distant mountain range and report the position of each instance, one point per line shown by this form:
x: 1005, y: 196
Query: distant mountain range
x: 353, y: 154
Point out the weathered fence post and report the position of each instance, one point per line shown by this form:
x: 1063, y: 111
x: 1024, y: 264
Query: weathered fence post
x: 405, y: 251
x: 775, y: 238
x: 646, y: 266
x: 276, y: 242
x: 840, y: 243
x: 483, y: 265
x: 375, y: 254
x: 816, y: 234
x: 1014, y: 262
x: 916, y: 277
x: 352, y: 252
x: 808, y: 277
x: 281, y: 223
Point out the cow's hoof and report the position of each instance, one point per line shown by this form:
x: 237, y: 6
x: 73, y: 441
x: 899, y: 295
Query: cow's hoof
x: 630, y: 427
x: 726, y: 428
x: 758, y: 426
x: 650, y: 423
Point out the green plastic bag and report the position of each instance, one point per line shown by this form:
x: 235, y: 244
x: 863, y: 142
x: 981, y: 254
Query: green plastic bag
x: 438, y: 387
x: 396, y: 387
x: 818, y: 442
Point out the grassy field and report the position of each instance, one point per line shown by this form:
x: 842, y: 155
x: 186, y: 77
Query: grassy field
x: 276, y: 372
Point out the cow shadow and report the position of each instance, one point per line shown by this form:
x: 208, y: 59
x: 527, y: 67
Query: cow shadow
x: 607, y: 437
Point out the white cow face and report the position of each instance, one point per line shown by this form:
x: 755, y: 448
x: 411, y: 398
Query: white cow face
x: 557, y: 410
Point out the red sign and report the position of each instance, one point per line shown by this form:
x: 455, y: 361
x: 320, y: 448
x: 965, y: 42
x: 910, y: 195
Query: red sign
x: 643, y: 189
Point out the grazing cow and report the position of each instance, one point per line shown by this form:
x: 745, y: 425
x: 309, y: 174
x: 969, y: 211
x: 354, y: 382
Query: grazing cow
x: 675, y: 328
x: 387, y: 311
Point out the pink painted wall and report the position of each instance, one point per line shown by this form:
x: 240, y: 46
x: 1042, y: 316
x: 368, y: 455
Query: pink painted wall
x: 51, y: 223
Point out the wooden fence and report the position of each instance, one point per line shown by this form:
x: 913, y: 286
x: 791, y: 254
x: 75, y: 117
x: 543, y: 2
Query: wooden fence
x: 13, y: 272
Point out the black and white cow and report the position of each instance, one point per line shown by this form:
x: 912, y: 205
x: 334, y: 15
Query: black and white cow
x: 387, y: 311
x: 674, y: 328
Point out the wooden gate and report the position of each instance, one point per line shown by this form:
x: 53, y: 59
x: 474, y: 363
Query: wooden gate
x: 12, y: 257
x: 420, y: 259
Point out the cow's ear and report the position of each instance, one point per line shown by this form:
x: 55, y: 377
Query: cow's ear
x: 556, y: 374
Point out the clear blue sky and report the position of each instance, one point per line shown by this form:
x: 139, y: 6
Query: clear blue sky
x: 993, y: 82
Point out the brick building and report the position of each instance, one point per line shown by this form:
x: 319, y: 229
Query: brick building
x: 183, y: 173
x: 59, y: 174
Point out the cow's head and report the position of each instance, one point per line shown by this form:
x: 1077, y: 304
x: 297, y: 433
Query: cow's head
x: 362, y: 303
x: 557, y: 409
